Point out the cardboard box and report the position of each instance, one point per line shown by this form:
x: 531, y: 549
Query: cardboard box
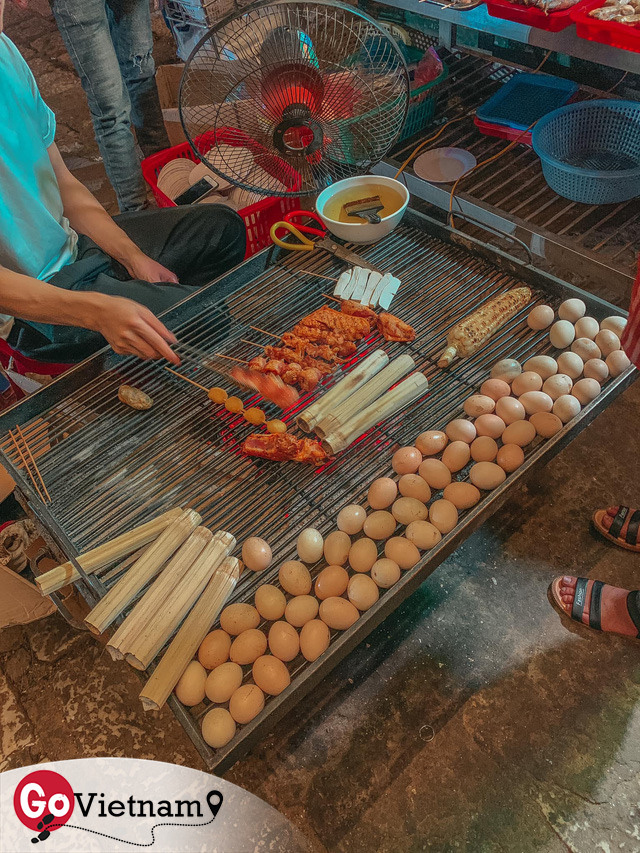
x: 168, y: 81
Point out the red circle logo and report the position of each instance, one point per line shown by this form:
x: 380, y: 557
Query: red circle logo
x: 43, y: 800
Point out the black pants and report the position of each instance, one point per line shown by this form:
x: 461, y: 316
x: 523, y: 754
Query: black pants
x: 196, y: 243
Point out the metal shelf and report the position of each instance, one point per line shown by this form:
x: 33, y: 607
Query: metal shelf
x: 565, y: 41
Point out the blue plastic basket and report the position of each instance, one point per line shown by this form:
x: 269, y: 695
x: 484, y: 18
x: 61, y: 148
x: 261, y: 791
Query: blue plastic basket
x: 525, y: 99
x: 590, y: 151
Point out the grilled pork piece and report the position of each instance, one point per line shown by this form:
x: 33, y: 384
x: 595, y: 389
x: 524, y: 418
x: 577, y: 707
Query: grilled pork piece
x: 283, y: 448
x: 355, y: 309
x: 352, y: 328
x: 394, y: 329
x: 269, y: 386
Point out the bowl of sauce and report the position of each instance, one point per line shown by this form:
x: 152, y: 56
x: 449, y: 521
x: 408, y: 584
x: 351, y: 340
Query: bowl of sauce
x: 394, y: 198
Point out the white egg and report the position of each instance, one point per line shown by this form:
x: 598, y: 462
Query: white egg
x: 556, y: 386
x: 310, y: 545
x: 536, y: 401
x: 572, y: 310
x: 596, y: 369
x: 540, y: 317
x: 351, y: 518
x: 586, y: 348
x: 586, y: 390
x: 617, y: 362
x: 506, y: 369
x: 562, y: 334
x: 566, y: 407
x: 543, y: 365
x: 570, y: 364
x: 587, y: 327
x: 608, y: 342
x: 614, y: 324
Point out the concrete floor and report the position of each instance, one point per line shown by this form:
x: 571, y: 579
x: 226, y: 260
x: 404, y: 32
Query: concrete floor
x: 473, y: 719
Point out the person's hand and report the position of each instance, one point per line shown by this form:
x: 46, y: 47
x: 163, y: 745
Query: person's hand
x: 145, y: 268
x: 132, y: 329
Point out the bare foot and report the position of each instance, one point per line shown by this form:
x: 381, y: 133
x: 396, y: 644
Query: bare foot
x: 614, y: 611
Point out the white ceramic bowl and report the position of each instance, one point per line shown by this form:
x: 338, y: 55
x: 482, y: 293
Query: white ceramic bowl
x: 362, y: 233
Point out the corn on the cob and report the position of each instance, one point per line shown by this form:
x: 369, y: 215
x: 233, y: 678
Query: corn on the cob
x: 467, y: 336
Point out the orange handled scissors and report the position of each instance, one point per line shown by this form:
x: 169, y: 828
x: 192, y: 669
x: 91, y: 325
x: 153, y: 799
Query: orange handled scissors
x: 292, y: 223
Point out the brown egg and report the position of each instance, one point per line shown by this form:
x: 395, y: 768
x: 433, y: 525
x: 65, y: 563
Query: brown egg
x: 478, y: 404
x: 379, y: 525
x: 190, y: 688
x: 402, y: 552
x: 546, y: 424
x: 456, y: 455
x: 271, y: 675
x: 462, y: 495
x: 336, y: 548
x: 520, y: 433
x: 382, y: 493
x: 617, y: 362
x: 495, y: 388
x: 310, y: 545
x: 443, y: 515
x: 351, y: 518
x: 510, y: 410
x: 461, y: 430
x: 406, y: 510
x: 214, y: 649
x: 484, y: 449
x: 223, y: 681
x: 270, y: 602
x: 586, y: 390
x: 256, y: 554
x: 363, y: 554
x: 490, y: 425
x: 406, y: 460
x: 237, y: 618
x: 246, y: 703
x: 218, y: 727
x: 300, y: 610
x: 338, y: 613
x: 607, y: 342
x: 423, y: 535
x: 385, y: 573
x: 431, y: 442
x: 295, y: 578
x: 334, y: 579
x: 283, y: 641
x: 510, y: 457
x: 536, y: 401
x: 486, y: 475
x: 362, y: 592
x: 527, y: 381
x: 436, y: 473
x: 314, y: 639
x: 247, y: 647
x: 413, y: 486
x: 570, y: 364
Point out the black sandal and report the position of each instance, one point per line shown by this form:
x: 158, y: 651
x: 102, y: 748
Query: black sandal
x: 580, y: 597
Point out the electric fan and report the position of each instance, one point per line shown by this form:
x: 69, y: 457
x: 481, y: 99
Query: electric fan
x: 289, y: 97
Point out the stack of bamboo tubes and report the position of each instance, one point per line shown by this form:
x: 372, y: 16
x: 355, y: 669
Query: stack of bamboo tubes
x: 363, y: 399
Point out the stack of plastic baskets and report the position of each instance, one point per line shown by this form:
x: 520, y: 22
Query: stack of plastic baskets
x: 590, y: 151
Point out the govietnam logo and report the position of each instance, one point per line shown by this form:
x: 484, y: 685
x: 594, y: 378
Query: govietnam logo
x: 44, y: 801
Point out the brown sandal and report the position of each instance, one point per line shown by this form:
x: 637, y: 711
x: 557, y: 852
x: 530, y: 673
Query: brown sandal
x: 631, y: 541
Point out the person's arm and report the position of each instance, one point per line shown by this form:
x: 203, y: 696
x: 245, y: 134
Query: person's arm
x: 130, y: 328
x: 87, y: 216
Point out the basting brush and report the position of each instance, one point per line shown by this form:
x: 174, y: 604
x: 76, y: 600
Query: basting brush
x: 365, y: 208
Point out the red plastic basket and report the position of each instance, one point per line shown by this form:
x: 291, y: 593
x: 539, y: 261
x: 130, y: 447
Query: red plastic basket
x: 502, y: 132
x: 553, y: 22
x: 625, y: 36
x: 258, y: 217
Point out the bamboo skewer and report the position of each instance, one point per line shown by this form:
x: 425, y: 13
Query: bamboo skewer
x: 337, y: 416
x: 230, y: 358
x: 264, y: 332
x: 190, y: 381
x: 317, y: 275
x: 332, y: 298
x: 192, y: 632
x: 149, y: 606
x: 26, y: 467
x: 155, y: 634
x: 117, y: 549
x: 398, y: 398
x: 142, y: 571
x: 354, y: 380
x: 35, y: 464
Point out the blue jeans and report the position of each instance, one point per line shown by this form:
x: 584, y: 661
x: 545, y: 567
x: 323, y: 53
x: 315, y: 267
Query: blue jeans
x: 110, y: 44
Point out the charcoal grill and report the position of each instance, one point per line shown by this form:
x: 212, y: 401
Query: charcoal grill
x: 108, y: 468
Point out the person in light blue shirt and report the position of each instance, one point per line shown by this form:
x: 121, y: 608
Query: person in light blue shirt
x: 71, y: 274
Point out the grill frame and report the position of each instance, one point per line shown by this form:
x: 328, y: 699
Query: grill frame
x: 305, y: 677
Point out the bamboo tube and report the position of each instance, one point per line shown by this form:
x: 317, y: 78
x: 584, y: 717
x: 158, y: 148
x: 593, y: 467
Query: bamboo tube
x: 402, y: 395
x: 148, y: 608
x: 314, y: 413
x: 142, y: 571
x: 156, y: 633
x: 110, y: 552
x: 192, y: 632
x: 336, y: 417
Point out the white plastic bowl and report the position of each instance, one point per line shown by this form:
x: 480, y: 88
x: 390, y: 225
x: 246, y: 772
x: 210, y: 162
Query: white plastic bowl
x: 362, y: 233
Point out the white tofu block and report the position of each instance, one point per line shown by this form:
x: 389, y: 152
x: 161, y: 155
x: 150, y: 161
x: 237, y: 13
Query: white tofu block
x: 343, y: 281
x: 380, y: 287
x: 374, y: 279
x: 389, y: 292
x: 347, y: 290
x: 360, y: 286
